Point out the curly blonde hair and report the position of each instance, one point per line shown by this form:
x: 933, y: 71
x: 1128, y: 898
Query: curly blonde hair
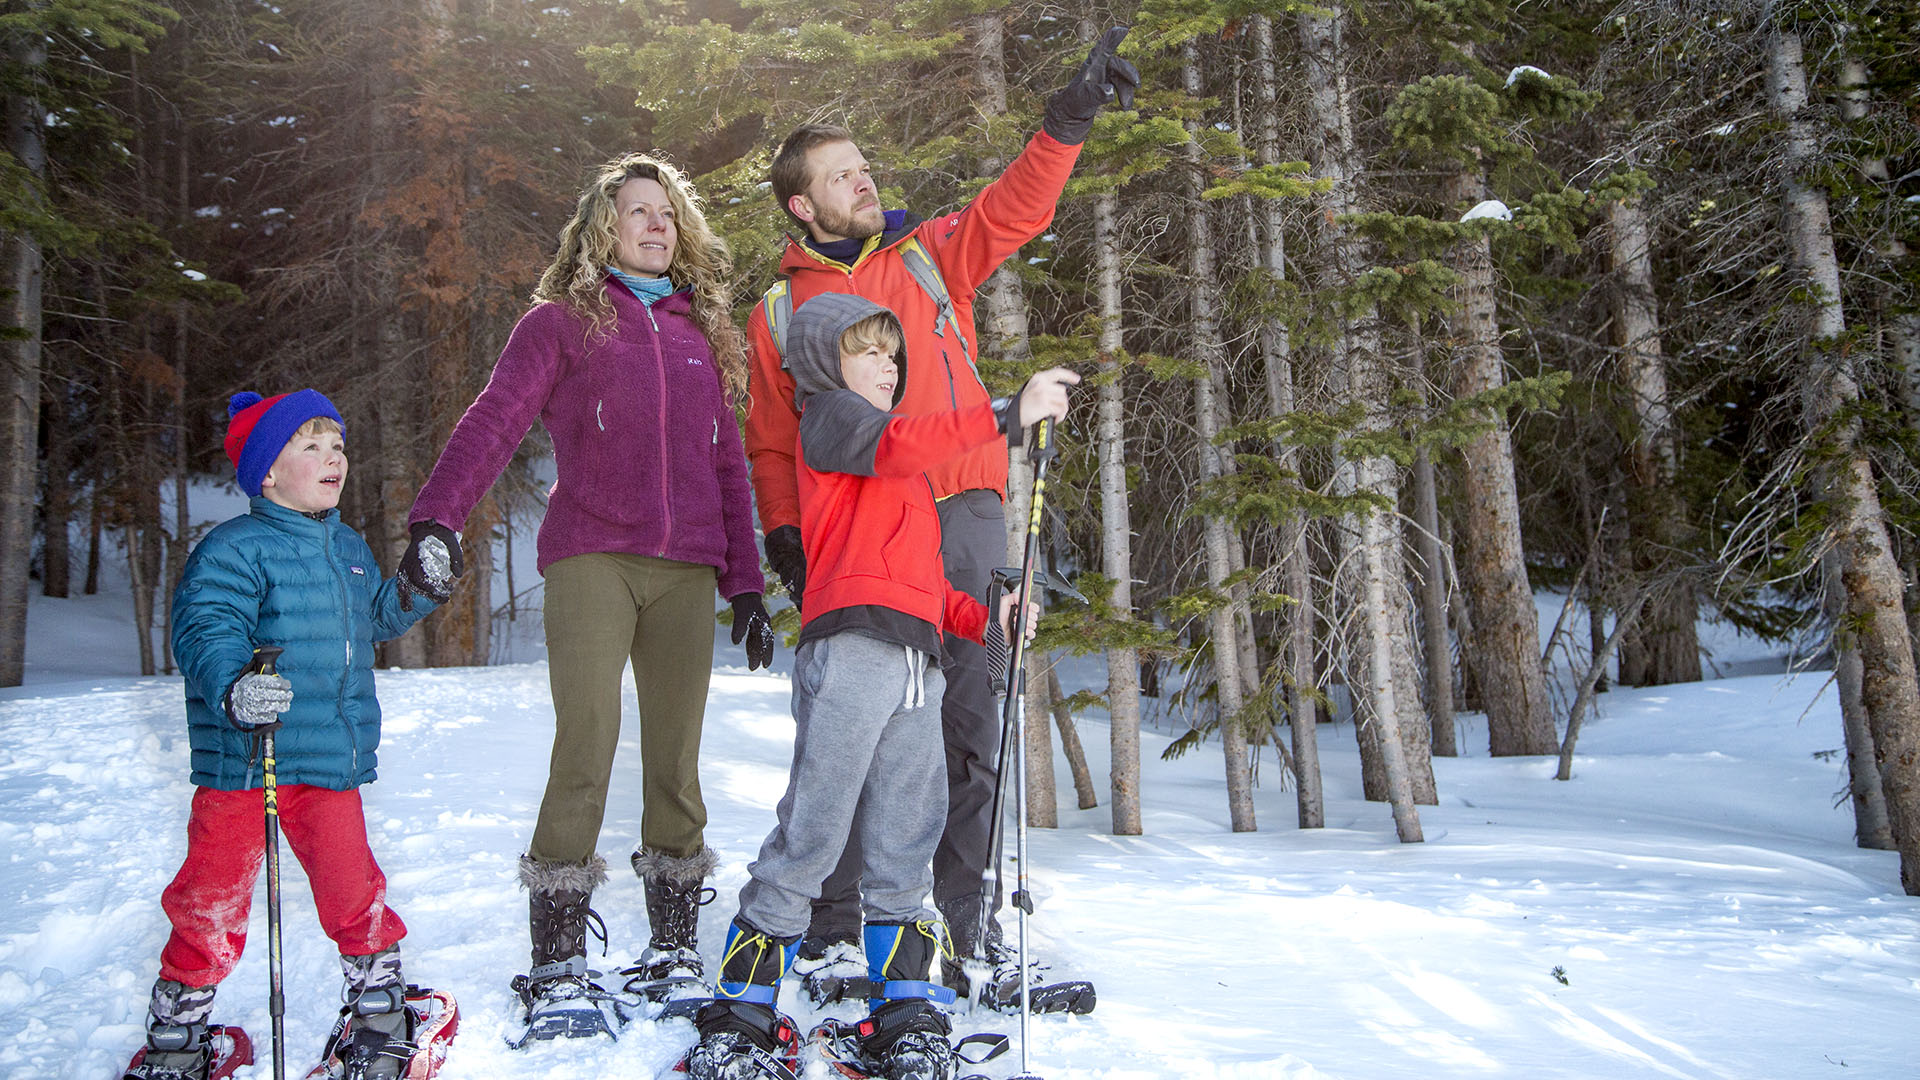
x: 577, y: 276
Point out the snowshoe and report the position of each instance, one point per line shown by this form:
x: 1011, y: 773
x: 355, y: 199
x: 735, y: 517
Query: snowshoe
x: 827, y: 974
x: 851, y: 1049
x: 995, y: 984
x: 664, y: 980
x: 359, y: 1048
x: 228, y: 1048
x: 567, y: 1007
x: 738, y: 1041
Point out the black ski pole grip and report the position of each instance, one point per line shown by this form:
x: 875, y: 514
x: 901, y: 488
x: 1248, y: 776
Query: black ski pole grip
x: 1043, y: 448
x: 264, y: 659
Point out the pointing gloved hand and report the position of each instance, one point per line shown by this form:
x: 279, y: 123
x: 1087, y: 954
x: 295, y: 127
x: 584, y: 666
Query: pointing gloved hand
x: 430, y: 564
x: 256, y: 699
x: 1104, y: 77
x: 750, y: 622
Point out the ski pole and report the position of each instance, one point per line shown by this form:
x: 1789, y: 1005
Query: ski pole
x: 1013, y: 725
x: 263, y: 660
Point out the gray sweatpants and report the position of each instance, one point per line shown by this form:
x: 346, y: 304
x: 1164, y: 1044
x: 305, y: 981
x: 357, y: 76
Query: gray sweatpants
x: 867, y: 762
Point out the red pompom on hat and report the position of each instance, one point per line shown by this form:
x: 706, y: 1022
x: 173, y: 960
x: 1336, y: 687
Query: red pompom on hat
x: 258, y: 429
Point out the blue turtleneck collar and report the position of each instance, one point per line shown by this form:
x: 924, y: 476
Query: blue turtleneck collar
x: 647, y: 289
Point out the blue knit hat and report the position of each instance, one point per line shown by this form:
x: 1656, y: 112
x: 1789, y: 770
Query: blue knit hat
x: 258, y: 429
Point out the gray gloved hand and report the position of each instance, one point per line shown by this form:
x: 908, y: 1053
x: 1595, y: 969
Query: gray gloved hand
x: 1103, y: 78
x: 255, y: 699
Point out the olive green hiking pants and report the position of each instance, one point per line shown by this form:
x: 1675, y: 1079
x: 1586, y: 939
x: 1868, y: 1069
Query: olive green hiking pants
x: 602, y: 611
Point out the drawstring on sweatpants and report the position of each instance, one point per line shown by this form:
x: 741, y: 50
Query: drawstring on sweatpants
x: 916, y: 679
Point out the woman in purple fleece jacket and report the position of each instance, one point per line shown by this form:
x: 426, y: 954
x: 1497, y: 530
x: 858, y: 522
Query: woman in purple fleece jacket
x: 631, y: 360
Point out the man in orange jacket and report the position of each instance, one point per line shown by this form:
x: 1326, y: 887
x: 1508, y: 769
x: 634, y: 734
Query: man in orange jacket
x: 824, y: 184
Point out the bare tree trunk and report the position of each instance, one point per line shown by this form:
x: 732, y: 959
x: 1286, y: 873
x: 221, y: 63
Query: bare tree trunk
x: 1116, y: 533
x: 1874, y: 590
x: 1205, y: 322
x: 56, y: 563
x: 1369, y: 548
x: 1276, y: 348
x: 1902, y: 324
x: 1665, y: 646
x: 1870, y: 829
x: 20, y: 369
x: 182, y: 517
x: 1584, y: 698
x: 1070, y: 746
x: 1043, y: 811
x: 1437, y: 647
x: 1493, y: 566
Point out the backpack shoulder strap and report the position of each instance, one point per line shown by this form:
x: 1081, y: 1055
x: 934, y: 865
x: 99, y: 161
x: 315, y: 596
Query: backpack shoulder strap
x: 926, y: 274
x: 777, y: 302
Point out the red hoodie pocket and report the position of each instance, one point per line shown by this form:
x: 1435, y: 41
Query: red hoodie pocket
x: 912, y: 554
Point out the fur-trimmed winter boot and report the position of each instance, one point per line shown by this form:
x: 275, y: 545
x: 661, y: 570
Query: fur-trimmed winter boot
x: 676, y: 890
x: 561, y: 998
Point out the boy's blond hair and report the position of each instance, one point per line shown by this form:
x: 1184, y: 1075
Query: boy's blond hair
x: 319, y: 425
x: 881, y: 328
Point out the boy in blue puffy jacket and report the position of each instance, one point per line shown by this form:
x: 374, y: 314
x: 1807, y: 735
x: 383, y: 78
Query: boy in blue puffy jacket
x: 286, y: 573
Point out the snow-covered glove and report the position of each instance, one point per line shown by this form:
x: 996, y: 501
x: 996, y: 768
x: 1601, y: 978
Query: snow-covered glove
x: 431, y: 563
x: 255, y: 699
x: 789, y: 560
x: 1103, y: 78
x: 750, y: 622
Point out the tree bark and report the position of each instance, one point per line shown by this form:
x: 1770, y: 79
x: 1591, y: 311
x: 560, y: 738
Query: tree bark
x: 1043, y: 809
x: 1070, y: 747
x: 1493, y: 566
x: 1369, y: 548
x: 20, y: 370
x: 1664, y: 646
x: 1204, y: 319
x: 1116, y: 533
x: 1437, y: 647
x: 1870, y: 828
x: 1276, y: 349
x: 1875, y: 619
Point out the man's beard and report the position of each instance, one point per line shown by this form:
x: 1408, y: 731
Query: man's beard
x: 854, y: 225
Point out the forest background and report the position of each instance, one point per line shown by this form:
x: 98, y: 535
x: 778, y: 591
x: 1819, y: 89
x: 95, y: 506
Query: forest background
x: 1393, y: 313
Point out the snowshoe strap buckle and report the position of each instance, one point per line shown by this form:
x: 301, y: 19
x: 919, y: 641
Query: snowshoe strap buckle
x: 572, y: 965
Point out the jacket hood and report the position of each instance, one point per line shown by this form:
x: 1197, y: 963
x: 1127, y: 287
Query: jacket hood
x: 813, y: 344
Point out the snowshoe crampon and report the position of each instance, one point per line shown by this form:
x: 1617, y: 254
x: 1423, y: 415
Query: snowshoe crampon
x: 355, y: 1052
x: 568, y: 1007
x: 838, y: 1044
x: 663, y: 989
x: 228, y: 1048
x: 734, y: 1056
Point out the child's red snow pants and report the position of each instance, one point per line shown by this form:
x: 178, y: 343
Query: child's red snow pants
x: 212, y: 895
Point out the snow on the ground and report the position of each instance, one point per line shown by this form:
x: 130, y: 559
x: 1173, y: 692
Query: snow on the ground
x: 1695, y: 885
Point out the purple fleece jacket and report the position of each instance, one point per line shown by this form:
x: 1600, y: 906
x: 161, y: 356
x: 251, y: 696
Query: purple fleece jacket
x: 647, y: 449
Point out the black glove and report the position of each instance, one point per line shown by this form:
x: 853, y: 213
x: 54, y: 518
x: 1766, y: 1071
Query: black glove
x: 431, y: 563
x: 788, y: 559
x: 1103, y: 78
x: 750, y: 621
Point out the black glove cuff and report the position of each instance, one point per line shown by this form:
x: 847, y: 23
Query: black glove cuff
x: 1069, y: 130
x: 1006, y: 413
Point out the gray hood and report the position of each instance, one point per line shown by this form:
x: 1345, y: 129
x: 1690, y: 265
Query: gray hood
x: 813, y: 344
